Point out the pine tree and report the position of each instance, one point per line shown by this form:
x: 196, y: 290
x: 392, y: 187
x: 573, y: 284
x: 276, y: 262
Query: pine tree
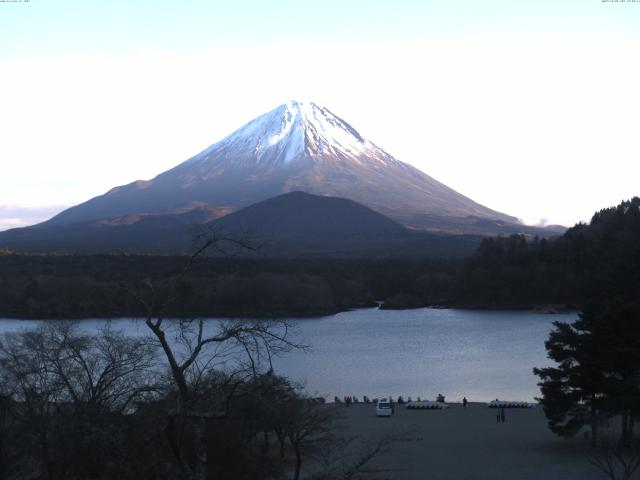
x: 598, y: 370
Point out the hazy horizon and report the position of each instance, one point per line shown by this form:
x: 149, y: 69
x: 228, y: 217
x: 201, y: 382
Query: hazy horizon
x: 529, y: 109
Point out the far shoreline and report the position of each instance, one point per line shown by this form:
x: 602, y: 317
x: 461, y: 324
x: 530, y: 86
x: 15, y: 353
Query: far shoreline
x: 306, y: 315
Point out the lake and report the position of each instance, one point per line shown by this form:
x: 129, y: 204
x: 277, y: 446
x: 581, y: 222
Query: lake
x: 482, y: 355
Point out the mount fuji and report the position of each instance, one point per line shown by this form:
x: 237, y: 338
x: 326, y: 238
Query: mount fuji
x: 295, y: 147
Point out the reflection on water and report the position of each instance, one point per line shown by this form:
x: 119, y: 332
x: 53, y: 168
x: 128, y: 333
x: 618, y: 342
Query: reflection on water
x: 482, y: 355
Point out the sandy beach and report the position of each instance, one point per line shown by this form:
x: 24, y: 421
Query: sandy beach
x: 465, y: 444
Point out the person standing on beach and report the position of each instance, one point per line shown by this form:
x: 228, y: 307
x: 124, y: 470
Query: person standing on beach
x: 464, y: 402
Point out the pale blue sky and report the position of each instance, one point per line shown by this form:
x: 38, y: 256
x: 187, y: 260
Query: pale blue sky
x: 62, y: 27
x: 516, y: 104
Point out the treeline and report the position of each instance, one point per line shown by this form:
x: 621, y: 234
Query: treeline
x: 598, y: 260
x: 96, y: 285
x: 601, y: 258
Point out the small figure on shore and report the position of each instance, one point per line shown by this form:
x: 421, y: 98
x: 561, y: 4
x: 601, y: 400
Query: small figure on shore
x: 440, y: 398
x: 502, y: 415
x: 464, y: 402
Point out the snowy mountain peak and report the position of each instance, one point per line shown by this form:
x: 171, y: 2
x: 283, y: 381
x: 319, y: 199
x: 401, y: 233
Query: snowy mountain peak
x: 298, y: 146
x: 291, y: 132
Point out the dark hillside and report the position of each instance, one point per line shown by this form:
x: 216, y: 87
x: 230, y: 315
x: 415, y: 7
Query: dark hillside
x: 592, y: 261
x: 291, y: 225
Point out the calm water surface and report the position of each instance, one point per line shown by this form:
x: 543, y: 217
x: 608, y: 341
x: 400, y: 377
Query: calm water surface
x: 481, y: 354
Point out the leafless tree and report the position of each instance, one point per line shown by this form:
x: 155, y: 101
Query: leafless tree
x: 193, y: 346
x: 351, y: 458
x: 11, y: 435
x: 103, y: 372
x: 62, y: 382
x: 308, y: 426
x: 618, y: 460
x: 33, y: 387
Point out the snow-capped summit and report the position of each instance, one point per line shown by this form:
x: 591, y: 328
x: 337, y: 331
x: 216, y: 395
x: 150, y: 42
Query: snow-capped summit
x: 291, y: 132
x: 297, y: 146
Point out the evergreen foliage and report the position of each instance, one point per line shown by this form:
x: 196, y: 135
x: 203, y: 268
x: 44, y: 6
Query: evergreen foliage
x: 598, y: 356
x: 588, y: 262
x: 597, y: 375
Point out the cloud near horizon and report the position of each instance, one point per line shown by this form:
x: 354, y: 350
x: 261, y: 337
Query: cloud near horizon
x: 14, y: 216
x: 541, y: 222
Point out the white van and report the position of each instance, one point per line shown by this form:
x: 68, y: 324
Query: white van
x: 384, y: 408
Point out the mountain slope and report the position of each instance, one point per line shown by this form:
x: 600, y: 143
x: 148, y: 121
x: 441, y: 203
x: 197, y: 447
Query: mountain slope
x: 295, y: 147
x: 295, y: 224
x: 299, y: 224
x: 299, y: 215
x: 149, y: 233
